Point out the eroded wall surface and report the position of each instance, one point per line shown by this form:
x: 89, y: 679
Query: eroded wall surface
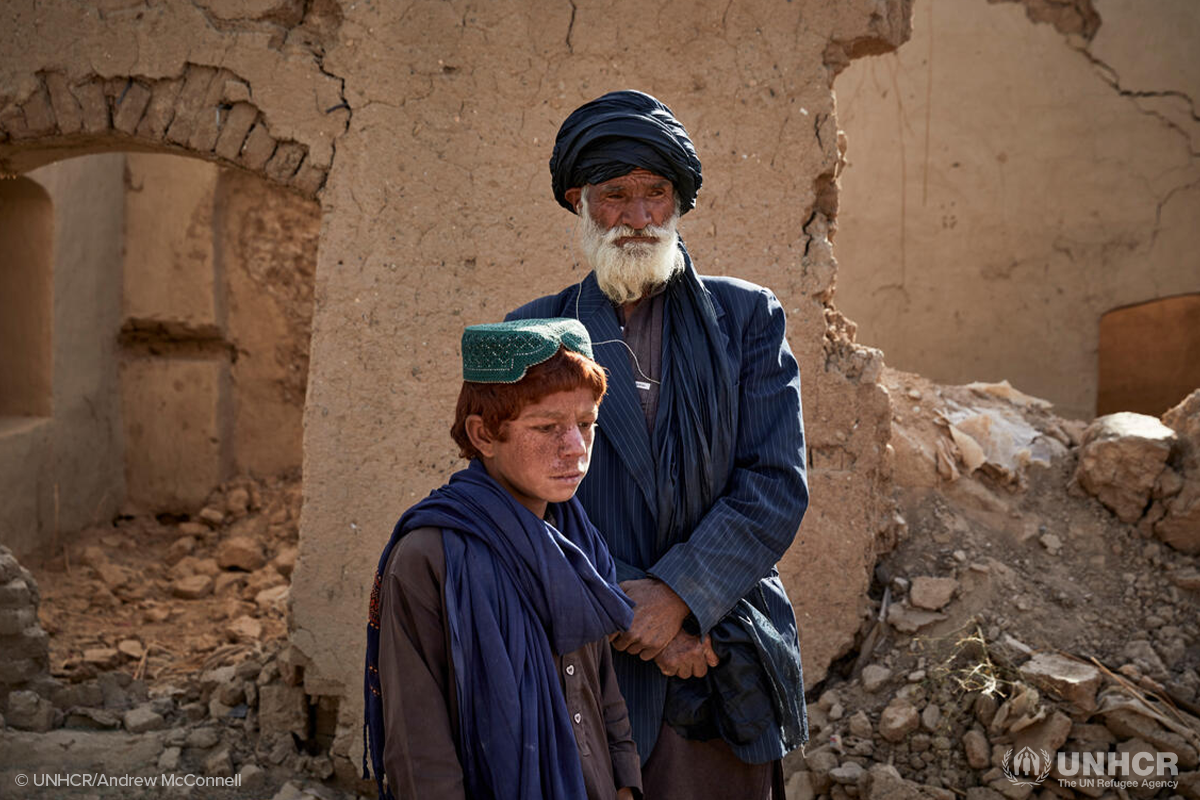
x: 174, y: 344
x: 430, y: 127
x: 216, y: 310
x: 1011, y: 181
x: 62, y: 470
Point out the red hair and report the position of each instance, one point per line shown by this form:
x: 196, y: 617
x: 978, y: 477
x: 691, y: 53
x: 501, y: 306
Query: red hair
x: 498, y: 403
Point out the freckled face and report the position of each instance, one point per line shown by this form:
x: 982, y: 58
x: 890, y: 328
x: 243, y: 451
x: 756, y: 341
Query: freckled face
x: 546, y: 450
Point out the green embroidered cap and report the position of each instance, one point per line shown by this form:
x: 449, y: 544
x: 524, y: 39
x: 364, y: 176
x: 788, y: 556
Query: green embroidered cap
x: 500, y: 352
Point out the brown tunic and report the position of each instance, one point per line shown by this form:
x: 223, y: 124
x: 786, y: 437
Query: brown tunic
x: 420, y: 706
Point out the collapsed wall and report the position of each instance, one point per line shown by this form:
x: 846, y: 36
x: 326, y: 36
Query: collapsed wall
x: 426, y: 136
x: 1011, y: 182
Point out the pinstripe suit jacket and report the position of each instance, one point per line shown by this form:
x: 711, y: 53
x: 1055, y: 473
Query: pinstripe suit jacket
x: 733, y: 550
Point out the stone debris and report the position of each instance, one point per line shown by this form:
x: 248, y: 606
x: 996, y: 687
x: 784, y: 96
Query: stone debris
x: 240, y: 552
x: 874, y: 677
x: 1071, y: 679
x: 907, y: 619
x: 931, y: 593
x: 899, y: 719
x: 1120, y: 461
x: 142, y: 719
x: 1008, y: 582
x: 1177, y: 498
x: 192, y: 587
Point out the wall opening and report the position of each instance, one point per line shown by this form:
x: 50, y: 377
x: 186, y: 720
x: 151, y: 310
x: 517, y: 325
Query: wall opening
x: 26, y: 299
x: 1149, y: 358
x: 190, y: 327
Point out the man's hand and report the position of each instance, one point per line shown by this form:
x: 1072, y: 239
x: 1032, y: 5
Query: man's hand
x: 625, y: 794
x: 687, y: 657
x: 658, y: 615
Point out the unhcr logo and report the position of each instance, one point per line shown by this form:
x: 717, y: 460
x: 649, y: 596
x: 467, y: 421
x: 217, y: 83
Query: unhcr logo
x: 1093, y: 770
x: 1029, y: 767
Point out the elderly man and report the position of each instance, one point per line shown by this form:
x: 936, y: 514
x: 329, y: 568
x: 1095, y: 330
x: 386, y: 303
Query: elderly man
x: 698, y: 479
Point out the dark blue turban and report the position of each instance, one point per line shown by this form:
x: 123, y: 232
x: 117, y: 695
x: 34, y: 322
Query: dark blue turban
x: 618, y: 133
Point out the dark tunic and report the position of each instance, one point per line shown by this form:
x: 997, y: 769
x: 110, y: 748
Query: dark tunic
x: 678, y: 767
x: 420, y: 704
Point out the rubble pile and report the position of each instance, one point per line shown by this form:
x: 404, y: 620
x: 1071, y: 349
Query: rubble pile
x: 157, y: 594
x: 1032, y: 601
x: 168, y: 652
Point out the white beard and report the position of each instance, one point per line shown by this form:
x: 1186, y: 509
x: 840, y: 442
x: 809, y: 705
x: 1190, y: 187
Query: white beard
x: 628, y: 273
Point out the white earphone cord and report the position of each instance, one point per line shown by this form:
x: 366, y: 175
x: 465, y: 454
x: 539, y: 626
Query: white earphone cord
x: 579, y: 293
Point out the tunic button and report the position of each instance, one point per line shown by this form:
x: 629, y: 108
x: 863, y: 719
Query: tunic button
x: 578, y: 718
x: 570, y: 669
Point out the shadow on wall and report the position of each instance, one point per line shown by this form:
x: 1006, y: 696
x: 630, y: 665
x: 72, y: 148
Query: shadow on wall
x: 158, y: 338
x: 1149, y: 355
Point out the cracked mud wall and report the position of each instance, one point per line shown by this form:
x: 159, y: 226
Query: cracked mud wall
x: 74, y: 448
x: 429, y: 128
x: 439, y: 214
x: 1015, y: 172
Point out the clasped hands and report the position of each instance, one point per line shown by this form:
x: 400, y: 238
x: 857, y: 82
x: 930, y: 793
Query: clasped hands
x: 657, y: 631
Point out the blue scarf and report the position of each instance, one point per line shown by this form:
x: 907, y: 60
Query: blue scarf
x: 517, y: 591
x: 697, y: 406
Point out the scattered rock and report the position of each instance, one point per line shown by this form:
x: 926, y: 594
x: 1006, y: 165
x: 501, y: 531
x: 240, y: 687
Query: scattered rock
x: 169, y: 760
x: 131, y: 648
x: 237, y: 502
x: 28, y: 711
x: 192, y: 587
x: 273, y: 599
x: 860, y: 725
x: 976, y: 749
x: 1187, y: 579
x: 1120, y: 460
x: 1071, y: 679
x: 103, y: 657
x: 219, y: 764
x: 244, y: 629
x: 203, y: 738
x: 907, y: 619
x: 142, y: 719
x: 285, y: 561
x: 239, y: 552
x: 213, y: 516
x: 931, y: 717
x: 252, y: 775
x: 874, y: 677
x: 92, y: 719
x: 194, y: 529
x: 847, y: 774
x: 898, y: 720
x: 1049, y: 734
x: 181, y: 548
x: 1180, y: 525
x: 932, y: 594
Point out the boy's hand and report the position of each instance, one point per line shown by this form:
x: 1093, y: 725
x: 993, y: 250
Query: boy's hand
x: 625, y: 794
x: 687, y: 657
x: 658, y: 615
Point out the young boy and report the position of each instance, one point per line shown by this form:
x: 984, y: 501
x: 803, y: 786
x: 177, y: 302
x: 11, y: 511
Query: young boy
x: 489, y: 673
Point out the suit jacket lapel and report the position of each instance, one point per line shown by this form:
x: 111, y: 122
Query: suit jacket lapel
x: 621, y: 420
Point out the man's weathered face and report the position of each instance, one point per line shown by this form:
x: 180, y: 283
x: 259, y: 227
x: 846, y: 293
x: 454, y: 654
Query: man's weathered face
x: 627, y: 233
x: 637, y: 200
